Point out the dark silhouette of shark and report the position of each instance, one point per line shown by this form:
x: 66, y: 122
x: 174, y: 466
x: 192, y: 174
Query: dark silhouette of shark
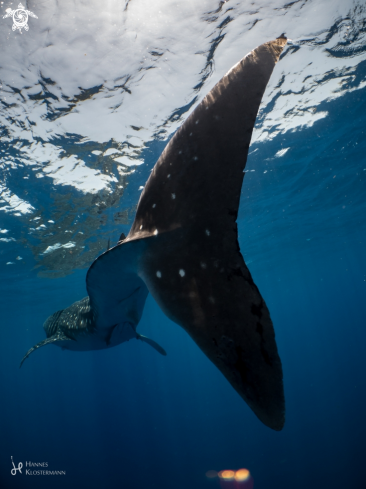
x: 183, y: 249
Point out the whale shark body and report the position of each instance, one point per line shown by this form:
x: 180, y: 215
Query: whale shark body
x: 183, y: 249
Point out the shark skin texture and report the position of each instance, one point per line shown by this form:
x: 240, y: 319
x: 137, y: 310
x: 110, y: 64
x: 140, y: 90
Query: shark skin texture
x: 183, y: 248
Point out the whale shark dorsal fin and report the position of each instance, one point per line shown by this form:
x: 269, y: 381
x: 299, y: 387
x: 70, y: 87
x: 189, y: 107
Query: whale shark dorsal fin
x: 152, y: 343
x: 47, y: 341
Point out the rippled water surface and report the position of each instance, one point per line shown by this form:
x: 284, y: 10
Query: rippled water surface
x: 89, y: 97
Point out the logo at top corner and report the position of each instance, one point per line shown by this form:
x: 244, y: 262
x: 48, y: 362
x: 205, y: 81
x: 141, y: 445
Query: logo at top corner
x: 20, y: 17
x: 14, y: 469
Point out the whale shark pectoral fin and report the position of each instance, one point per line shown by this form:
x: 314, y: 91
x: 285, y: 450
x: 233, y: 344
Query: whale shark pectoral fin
x: 152, y: 343
x: 47, y: 341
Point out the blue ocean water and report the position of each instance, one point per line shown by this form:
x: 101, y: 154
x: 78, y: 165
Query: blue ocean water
x: 128, y: 417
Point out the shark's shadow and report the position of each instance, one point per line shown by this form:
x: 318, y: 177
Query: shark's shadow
x: 183, y: 249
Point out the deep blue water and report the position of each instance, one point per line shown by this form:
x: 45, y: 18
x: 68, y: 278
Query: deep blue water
x: 128, y: 417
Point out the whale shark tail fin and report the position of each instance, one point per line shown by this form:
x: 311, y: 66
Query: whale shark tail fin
x: 152, y: 343
x: 47, y: 341
x: 187, y: 215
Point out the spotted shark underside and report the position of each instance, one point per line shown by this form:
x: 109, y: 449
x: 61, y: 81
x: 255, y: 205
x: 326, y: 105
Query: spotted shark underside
x: 183, y: 249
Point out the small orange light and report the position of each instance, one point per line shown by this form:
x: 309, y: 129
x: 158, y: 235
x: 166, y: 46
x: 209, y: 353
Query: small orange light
x: 211, y: 474
x: 227, y: 475
x: 242, y: 475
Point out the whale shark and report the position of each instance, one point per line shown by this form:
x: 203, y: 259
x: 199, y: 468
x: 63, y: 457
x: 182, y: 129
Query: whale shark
x: 183, y: 248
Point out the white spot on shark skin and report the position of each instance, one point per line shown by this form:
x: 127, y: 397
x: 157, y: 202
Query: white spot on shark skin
x: 182, y: 272
x: 52, y: 222
x: 153, y: 206
x: 10, y: 263
x: 203, y: 265
x: 180, y: 152
x: 158, y: 274
x: 141, y: 188
x: 208, y: 232
x: 195, y: 158
x: 197, y: 121
x: 191, y: 133
x: 156, y: 232
x: 168, y: 176
x: 19, y: 258
x: 173, y: 196
x: 3, y: 231
x: 141, y: 226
